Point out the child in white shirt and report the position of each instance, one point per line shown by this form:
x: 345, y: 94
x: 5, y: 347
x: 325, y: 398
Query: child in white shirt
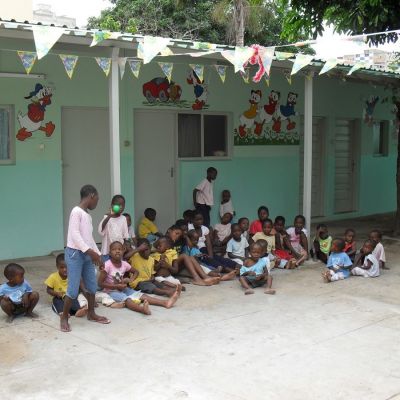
x: 366, y: 264
x: 226, y: 205
x: 379, y: 251
x: 238, y: 246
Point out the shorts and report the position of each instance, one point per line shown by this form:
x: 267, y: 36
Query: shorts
x: 128, y: 293
x: 19, y: 308
x: 169, y: 279
x: 149, y: 286
x: 253, y: 282
x: 77, y: 304
x: 283, y: 254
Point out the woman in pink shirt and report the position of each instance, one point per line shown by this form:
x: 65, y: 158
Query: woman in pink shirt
x: 81, y: 254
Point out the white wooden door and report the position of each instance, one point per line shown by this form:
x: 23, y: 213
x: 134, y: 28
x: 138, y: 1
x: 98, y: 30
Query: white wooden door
x: 86, y: 159
x: 345, y: 141
x: 318, y: 168
x: 154, y: 163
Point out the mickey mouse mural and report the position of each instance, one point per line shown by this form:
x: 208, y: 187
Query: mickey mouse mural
x: 32, y: 121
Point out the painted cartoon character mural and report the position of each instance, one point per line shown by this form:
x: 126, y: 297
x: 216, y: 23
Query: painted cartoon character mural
x: 286, y: 112
x: 200, y: 90
x: 32, y: 121
x: 268, y: 112
x: 247, y: 119
x: 369, y: 109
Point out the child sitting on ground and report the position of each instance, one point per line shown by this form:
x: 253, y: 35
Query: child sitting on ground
x: 298, y: 243
x: 322, y: 244
x: 379, y: 251
x: 147, y: 229
x: 254, y: 272
x: 244, y: 226
x: 112, y: 281
x: 282, y: 244
x: 57, y: 284
x: 16, y: 295
x: 237, y: 247
x: 131, y: 231
x: 339, y: 263
x: 226, y: 205
x: 365, y: 263
x: 350, y: 247
x: 222, y: 234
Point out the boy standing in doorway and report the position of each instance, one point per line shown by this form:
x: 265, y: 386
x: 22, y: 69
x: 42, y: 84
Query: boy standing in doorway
x: 203, y: 195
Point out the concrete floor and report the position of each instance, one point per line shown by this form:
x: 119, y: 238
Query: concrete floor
x: 309, y: 341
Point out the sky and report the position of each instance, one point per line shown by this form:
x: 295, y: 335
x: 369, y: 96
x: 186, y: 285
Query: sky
x: 79, y: 9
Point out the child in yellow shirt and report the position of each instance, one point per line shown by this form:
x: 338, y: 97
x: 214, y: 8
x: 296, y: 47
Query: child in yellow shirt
x: 147, y: 229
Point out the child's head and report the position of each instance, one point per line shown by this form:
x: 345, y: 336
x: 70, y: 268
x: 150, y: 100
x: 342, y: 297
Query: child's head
x: 188, y: 216
x: 349, y: 235
x: 264, y: 244
x: 376, y: 235
x: 337, y: 245
x: 244, y: 224
x: 212, y: 173
x: 128, y: 218
x: 256, y: 251
x: 194, y: 237
x: 14, y: 274
x: 198, y: 219
x: 267, y: 226
x: 183, y: 226
x: 263, y: 213
x: 145, y: 253
x: 116, y: 251
x: 236, y: 232
x: 174, y: 232
x: 61, y: 266
x: 279, y: 224
x: 368, y: 247
x: 90, y: 194
x: 118, y: 200
x: 299, y: 222
x: 163, y: 244
x: 226, y: 196
x: 226, y: 218
x: 150, y: 213
x: 323, y: 231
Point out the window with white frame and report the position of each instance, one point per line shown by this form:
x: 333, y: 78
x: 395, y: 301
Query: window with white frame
x: 380, y: 138
x: 6, y: 135
x: 202, y: 135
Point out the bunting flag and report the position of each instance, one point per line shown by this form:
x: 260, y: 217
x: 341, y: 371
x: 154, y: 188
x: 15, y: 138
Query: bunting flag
x: 288, y: 76
x: 267, y: 55
x: 229, y: 55
x: 45, y: 38
x: 204, y: 46
x: 199, y: 70
x: 331, y: 63
x: 28, y: 58
x: 69, y: 62
x: 245, y: 75
x: 167, y: 68
x: 221, y: 69
x: 266, y: 79
x: 121, y: 65
x: 99, y: 36
x: 104, y: 64
x: 301, y: 61
x: 281, y: 55
x: 135, y: 67
x: 241, y: 56
x: 151, y: 46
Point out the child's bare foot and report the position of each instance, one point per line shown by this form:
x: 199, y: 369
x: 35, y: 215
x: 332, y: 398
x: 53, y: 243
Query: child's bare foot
x: 10, y: 319
x: 64, y: 325
x: 249, y: 291
x: 200, y: 282
x: 229, y: 276
x: 117, y: 305
x: 172, y: 300
x: 31, y: 314
x: 81, y: 312
x: 270, y: 291
x: 146, y: 308
x: 214, y: 274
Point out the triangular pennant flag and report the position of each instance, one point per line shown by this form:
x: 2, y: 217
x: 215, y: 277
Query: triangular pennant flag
x: 135, y: 67
x: 329, y: 65
x: 166, y: 52
x: 199, y: 70
x: 358, y: 65
x: 288, y: 76
x: 151, y: 46
x: 267, y: 56
x: 28, y: 58
x: 281, y: 55
x: 104, y: 64
x: 245, y: 75
x: 266, y: 79
x: 229, y: 55
x: 241, y: 56
x: 221, y: 69
x: 45, y: 38
x: 167, y: 69
x: 99, y: 36
x: 122, y: 64
x: 301, y: 61
x: 69, y: 62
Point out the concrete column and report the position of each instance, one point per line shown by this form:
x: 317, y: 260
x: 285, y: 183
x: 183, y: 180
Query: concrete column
x: 113, y: 107
x: 308, y: 118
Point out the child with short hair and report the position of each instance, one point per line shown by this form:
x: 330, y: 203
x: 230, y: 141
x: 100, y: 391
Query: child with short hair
x: 297, y: 241
x: 256, y: 225
x: 131, y: 230
x: 350, y: 247
x: 244, y: 226
x: 322, y: 244
x: 222, y: 234
x: 147, y: 229
x: 188, y: 216
x: 113, y: 282
x: 379, y: 251
x: 226, y: 205
x: 237, y: 247
x: 366, y: 264
x: 16, y: 295
x: 56, y: 286
x: 339, y: 263
x: 254, y: 272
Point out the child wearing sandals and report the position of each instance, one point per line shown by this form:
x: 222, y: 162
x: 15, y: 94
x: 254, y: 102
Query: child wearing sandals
x: 254, y: 272
x: 113, y: 282
x: 365, y: 263
x: 339, y: 263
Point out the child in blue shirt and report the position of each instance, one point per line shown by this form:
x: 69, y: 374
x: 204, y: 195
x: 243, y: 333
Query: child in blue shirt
x: 16, y: 295
x: 339, y: 262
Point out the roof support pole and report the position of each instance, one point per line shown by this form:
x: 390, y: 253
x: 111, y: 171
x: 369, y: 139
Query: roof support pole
x: 308, y: 124
x: 113, y: 109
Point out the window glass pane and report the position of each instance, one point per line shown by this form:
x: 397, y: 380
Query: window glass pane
x: 5, y: 145
x: 215, y: 136
x: 380, y: 138
x: 189, y: 135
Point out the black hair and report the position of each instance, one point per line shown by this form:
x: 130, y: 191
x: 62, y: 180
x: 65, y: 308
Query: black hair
x: 211, y: 169
x: 348, y: 230
x: 230, y: 215
x: 114, y: 242
x: 371, y: 242
x: 226, y: 191
x: 191, y: 233
x: 256, y: 244
x: 180, y: 222
x: 196, y: 213
x: 263, y: 243
x: 378, y: 232
x: 88, y: 190
x: 149, y: 211
x: 141, y: 241
x: 280, y: 218
x: 188, y: 213
x: 117, y: 197
x: 60, y: 258
x: 267, y: 220
x: 319, y: 226
x: 13, y: 269
x: 242, y: 219
x: 174, y: 228
x: 165, y: 239
x: 127, y: 215
x: 261, y: 208
x: 340, y: 243
x: 302, y: 217
x: 234, y: 226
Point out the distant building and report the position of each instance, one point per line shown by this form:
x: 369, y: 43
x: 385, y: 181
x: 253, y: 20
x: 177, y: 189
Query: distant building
x: 20, y: 10
x: 43, y: 13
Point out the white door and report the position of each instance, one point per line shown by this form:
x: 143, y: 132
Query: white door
x: 318, y: 168
x: 154, y: 163
x: 86, y: 159
x: 345, y: 142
